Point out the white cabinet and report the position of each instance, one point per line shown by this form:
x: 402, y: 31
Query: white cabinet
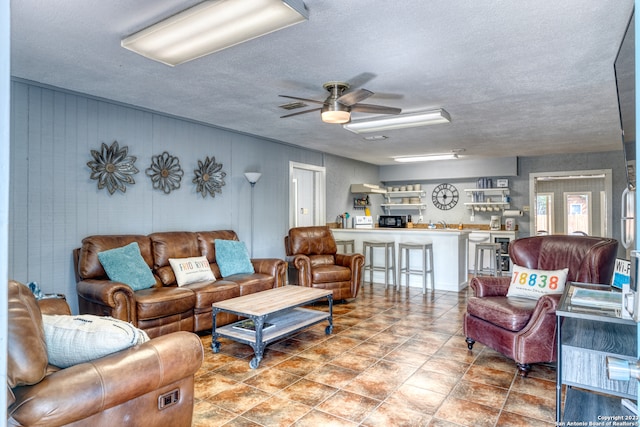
x: 488, y: 199
x: 407, y: 200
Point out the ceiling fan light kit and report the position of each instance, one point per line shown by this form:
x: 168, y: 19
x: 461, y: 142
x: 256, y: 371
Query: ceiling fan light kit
x: 338, y: 106
x: 212, y: 26
x: 335, y: 117
x: 334, y: 112
x: 424, y: 118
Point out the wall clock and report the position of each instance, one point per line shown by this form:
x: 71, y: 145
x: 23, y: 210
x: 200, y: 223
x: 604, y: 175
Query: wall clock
x: 445, y: 196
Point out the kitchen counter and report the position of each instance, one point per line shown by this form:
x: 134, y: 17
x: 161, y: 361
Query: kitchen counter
x: 449, y: 251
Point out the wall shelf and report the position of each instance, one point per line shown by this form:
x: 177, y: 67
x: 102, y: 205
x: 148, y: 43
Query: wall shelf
x: 404, y: 205
x: 483, y: 202
x: 388, y: 206
x: 500, y: 206
x: 493, y: 190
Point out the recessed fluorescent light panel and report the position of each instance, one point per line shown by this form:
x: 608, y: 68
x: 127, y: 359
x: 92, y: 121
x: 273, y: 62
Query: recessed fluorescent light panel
x: 400, y: 121
x: 425, y: 158
x: 212, y: 26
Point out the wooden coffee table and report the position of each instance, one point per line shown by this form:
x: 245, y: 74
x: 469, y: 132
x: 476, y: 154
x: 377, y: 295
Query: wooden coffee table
x: 279, y: 308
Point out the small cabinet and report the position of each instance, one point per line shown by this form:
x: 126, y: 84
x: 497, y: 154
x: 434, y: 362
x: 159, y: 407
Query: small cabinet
x: 408, y: 200
x: 488, y: 199
x: 586, y: 336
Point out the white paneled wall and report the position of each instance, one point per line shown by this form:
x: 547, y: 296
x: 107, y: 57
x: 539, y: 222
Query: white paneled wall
x: 54, y: 203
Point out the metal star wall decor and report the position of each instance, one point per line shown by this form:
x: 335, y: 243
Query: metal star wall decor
x: 209, y: 177
x: 112, y: 167
x: 165, y: 172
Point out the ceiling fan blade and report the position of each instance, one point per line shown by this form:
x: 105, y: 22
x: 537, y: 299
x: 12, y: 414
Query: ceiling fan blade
x: 302, y: 99
x: 301, y: 112
x: 354, y: 97
x: 376, y: 109
x: 361, y: 79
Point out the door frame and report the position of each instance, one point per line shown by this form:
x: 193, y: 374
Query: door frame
x: 319, y: 190
x: 608, y: 188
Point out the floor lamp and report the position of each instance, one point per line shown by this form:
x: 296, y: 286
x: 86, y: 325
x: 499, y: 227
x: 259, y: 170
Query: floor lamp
x: 252, y: 177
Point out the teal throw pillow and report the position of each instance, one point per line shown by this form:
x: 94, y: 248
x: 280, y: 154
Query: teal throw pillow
x: 126, y: 265
x: 232, y: 257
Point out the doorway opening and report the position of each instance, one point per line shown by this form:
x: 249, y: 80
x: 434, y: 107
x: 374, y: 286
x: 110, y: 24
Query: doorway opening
x: 307, y: 195
x: 563, y: 202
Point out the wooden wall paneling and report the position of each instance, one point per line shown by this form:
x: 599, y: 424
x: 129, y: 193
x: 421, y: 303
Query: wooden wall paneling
x: 19, y: 178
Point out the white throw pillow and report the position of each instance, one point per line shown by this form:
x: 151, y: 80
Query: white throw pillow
x: 191, y: 270
x: 530, y: 283
x: 79, y: 339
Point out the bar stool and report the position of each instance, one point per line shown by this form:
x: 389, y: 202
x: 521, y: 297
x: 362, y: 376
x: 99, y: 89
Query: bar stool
x: 345, y: 244
x: 389, y: 264
x: 494, y: 259
x: 426, y: 250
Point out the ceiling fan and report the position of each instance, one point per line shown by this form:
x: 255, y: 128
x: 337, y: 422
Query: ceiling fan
x: 338, y: 106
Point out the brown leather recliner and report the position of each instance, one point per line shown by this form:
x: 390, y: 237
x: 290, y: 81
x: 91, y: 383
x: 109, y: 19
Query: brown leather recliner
x: 123, y: 388
x: 525, y: 329
x: 313, y: 253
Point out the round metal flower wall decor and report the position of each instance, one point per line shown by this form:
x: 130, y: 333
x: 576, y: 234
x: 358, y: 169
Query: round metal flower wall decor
x: 165, y: 172
x: 112, y: 167
x: 209, y: 177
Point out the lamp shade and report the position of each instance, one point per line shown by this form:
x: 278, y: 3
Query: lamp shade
x: 335, y: 112
x: 252, y: 177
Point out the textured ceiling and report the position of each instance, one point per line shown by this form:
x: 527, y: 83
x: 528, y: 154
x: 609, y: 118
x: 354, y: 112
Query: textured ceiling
x: 519, y: 78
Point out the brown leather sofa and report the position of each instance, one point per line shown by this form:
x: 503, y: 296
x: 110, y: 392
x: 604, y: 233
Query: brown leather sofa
x: 123, y: 388
x: 525, y: 329
x: 312, y: 251
x: 165, y: 307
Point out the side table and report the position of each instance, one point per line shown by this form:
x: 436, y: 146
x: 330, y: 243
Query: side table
x: 586, y: 336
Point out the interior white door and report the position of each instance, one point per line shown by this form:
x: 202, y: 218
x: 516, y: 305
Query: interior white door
x: 306, y: 195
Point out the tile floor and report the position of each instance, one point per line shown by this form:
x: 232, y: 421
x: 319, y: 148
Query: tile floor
x: 394, y: 359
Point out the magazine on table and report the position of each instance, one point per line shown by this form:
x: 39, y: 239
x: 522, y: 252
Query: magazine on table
x: 595, y: 298
x: 249, y: 325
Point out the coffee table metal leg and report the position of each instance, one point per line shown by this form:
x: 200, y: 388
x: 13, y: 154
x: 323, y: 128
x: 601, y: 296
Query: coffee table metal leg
x: 215, y: 344
x: 329, y: 328
x: 259, y: 346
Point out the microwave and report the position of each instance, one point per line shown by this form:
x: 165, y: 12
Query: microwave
x: 392, y: 221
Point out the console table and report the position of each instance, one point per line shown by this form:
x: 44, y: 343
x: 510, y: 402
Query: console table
x: 586, y: 336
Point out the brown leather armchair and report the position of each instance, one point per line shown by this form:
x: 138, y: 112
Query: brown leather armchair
x: 525, y: 329
x: 150, y: 384
x: 313, y: 253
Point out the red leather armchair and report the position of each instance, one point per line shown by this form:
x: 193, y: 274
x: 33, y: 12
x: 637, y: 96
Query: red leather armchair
x: 313, y: 253
x: 525, y: 329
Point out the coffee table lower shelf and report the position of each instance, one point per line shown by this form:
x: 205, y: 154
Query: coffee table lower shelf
x: 285, y: 323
